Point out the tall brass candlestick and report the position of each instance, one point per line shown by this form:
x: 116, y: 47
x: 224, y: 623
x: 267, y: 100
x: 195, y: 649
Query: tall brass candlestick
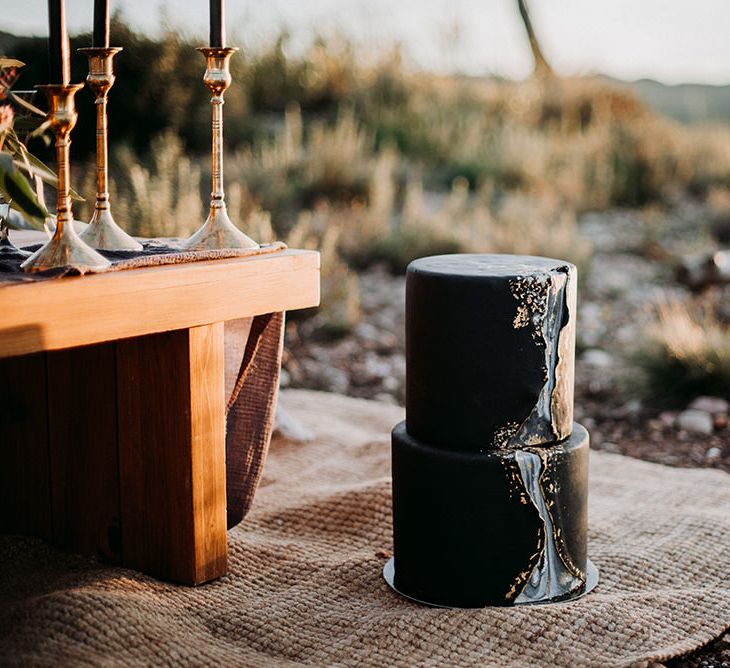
x: 103, y: 232
x: 218, y: 231
x: 65, y: 248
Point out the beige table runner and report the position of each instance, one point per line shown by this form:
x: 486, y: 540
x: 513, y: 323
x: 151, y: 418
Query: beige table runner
x: 305, y: 585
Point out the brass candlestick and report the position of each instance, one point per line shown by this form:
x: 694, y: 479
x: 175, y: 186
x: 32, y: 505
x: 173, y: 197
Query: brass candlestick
x: 218, y: 231
x: 65, y: 248
x: 103, y: 231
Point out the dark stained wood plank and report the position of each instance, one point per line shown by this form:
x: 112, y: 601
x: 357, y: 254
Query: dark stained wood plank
x: 25, y: 504
x: 82, y: 418
x: 172, y: 453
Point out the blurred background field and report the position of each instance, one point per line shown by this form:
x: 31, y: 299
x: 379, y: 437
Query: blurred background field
x: 375, y: 162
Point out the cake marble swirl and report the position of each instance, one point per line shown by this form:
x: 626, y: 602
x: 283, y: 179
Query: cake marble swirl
x: 490, y: 345
x: 490, y: 474
x: 499, y: 528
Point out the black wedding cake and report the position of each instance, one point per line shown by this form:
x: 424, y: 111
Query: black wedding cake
x: 490, y: 473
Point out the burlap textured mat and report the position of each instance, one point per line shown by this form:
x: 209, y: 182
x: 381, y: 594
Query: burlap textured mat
x: 305, y: 584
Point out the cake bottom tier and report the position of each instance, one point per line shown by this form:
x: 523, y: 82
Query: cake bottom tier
x: 504, y: 527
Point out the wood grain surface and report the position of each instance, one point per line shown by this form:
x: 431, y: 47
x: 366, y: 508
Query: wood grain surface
x: 172, y: 453
x: 82, y: 431
x: 61, y: 313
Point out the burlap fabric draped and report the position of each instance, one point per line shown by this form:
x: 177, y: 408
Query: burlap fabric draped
x: 305, y: 586
x: 155, y: 253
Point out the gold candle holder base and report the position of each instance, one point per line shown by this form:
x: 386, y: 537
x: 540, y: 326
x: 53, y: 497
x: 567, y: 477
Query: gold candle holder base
x: 218, y: 231
x: 7, y: 247
x: 65, y: 248
x: 103, y: 232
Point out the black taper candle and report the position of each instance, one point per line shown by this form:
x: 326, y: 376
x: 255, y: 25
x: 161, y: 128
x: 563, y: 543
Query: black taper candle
x: 59, y: 65
x: 217, y: 23
x: 100, y: 37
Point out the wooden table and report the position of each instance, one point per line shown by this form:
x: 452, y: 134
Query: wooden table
x: 112, y: 406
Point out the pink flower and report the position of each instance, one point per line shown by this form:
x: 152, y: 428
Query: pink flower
x: 6, y: 117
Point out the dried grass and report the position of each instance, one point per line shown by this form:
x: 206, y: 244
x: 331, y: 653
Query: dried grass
x: 163, y: 198
x: 688, y: 353
x: 413, y: 165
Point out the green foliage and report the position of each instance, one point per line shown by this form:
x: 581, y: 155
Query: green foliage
x: 590, y: 143
x: 403, y: 245
x: 162, y: 195
x: 687, y: 354
x: 15, y: 189
x: 339, y: 308
x: 16, y: 162
x: 294, y: 170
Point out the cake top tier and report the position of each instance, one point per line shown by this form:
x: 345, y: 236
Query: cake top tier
x: 489, y: 350
x: 479, y: 265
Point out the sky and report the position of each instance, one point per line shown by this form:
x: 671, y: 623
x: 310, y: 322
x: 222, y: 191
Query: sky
x: 673, y: 41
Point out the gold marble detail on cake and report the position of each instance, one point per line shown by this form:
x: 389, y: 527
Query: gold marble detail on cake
x: 504, y: 434
x: 553, y: 575
x: 518, y: 491
x: 515, y: 483
x: 543, y: 300
x: 531, y: 293
x: 561, y: 403
x: 522, y: 319
x: 550, y: 487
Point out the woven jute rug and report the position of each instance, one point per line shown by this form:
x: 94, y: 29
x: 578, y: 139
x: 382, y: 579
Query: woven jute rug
x: 305, y: 585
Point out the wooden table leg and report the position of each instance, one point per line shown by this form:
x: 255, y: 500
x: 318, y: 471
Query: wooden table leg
x: 59, y: 478
x: 170, y: 391
x: 25, y: 503
x: 82, y: 437
x: 118, y: 449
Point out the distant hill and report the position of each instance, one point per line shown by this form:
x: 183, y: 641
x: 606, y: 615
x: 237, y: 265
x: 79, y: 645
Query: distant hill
x: 8, y: 42
x: 687, y: 103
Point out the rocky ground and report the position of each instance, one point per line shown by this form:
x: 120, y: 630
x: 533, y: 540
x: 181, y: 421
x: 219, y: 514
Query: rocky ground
x: 634, y: 262
x: 631, y: 267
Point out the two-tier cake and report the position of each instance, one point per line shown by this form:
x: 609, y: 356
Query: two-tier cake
x: 490, y: 473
